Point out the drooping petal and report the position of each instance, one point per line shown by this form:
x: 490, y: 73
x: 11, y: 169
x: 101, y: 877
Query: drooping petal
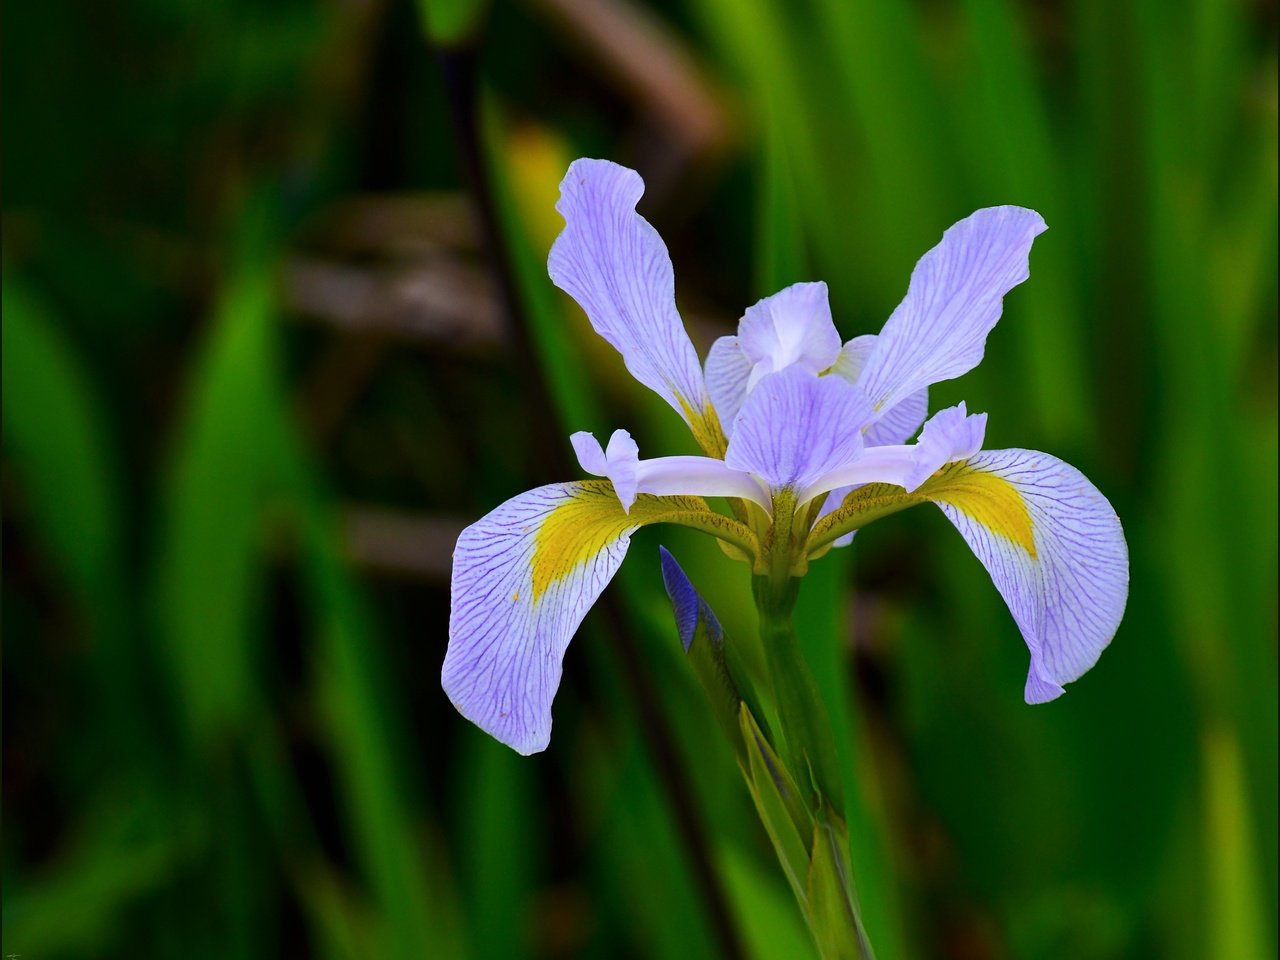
x: 1054, y: 548
x: 727, y: 372
x: 896, y: 424
x: 612, y: 261
x: 795, y: 427
x: 939, y: 331
x: 793, y: 326
x: 524, y: 576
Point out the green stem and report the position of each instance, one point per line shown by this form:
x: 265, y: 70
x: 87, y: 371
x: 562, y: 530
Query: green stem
x: 810, y: 749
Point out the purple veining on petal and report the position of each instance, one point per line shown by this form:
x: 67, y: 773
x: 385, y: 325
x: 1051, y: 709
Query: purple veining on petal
x: 612, y: 261
x: 727, y: 373
x: 795, y: 426
x: 895, y: 424
x: 793, y: 327
x: 955, y: 297
x: 503, y: 663
x: 1069, y: 599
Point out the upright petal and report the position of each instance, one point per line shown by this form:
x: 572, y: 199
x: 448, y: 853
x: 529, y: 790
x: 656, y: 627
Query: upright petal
x: 795, y: 426
x: 728, y: 371
x: 612, y: 261
x: 1054, y: 549
x: 939, y: 331
x: 524, y: 576
x: 895, y: 424
x: 793, y: 326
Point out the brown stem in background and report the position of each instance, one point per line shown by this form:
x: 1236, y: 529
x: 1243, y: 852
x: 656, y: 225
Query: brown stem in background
x: 458, y: 66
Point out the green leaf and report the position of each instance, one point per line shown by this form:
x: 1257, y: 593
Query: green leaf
x: 778, y: 802
x: 58, y: 443
x: 211, y: 557
x: 830, y: 914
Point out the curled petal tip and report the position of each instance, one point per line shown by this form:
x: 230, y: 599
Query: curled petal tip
x: 1039, y: 690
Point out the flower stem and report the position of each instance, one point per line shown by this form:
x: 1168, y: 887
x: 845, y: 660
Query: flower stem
x: 810, y: 752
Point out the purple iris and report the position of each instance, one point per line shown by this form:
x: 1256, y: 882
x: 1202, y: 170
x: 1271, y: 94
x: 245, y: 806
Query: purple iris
x: 790, y: 420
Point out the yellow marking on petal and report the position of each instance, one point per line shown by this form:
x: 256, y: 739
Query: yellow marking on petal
x: 988, y: 499
x: 580, y: 528
x: 985, y: 497
x: 706, y: 428
x: 576, y: 531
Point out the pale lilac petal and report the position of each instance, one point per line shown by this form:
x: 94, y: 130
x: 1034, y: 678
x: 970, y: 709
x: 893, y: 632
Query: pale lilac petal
x: 589, y: 452
x: 887, y: 464
x: 792, y: 327
x: 663, y: 476
x: 896, y: 424
x: 951, y: 434
x: 698, y: 476
x: 620, y: 462
x: 516, y: 603
x: 1068, y: 595
x: 955, y: 297
x: 727, y: 372
x: 795, y: 427
x: 612, y: 261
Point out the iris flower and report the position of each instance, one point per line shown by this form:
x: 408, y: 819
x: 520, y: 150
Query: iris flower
x: 806, y: 437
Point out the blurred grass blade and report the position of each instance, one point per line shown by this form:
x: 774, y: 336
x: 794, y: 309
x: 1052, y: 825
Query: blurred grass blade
x: 1236, y: 926
x: 411, y: 883
x: 211, y: 556
x: 122, y: 858
x: 58, y: 442
x: 499, y: 845
x: 768, y: 916
x: 449, y: 23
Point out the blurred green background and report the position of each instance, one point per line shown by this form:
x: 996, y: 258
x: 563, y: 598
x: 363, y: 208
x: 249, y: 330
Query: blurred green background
x: 258, y: 373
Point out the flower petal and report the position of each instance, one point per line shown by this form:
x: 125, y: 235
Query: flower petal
x: 612, y: 261
x: 951, y: 434
x: 793, y: 326
x: 698, y: 476
x: 794, y: 427
x: 663, y: 476
x: 589, y: 452
x: 1054, y: 548
x: 896, y: 424
x: 524, y: 576
x: 727, y: 372
x: 948, y: 436
x: 955, y: 297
